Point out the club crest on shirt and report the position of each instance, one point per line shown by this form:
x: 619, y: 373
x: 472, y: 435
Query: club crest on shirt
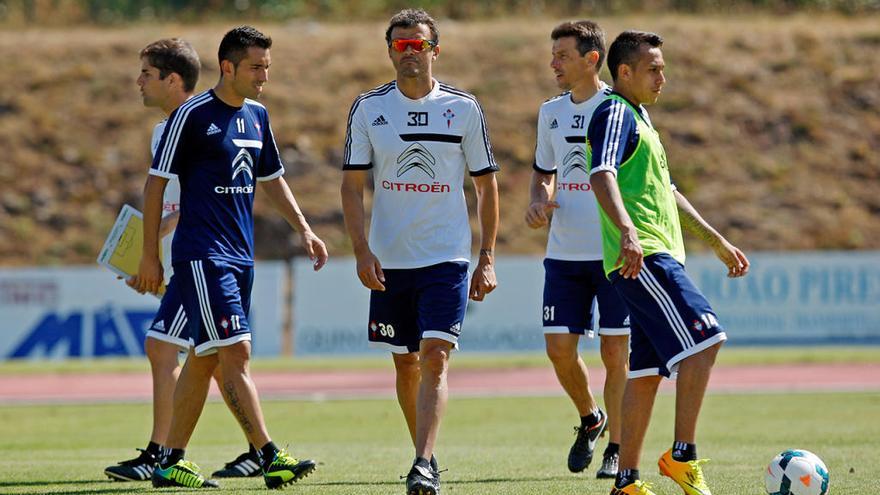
x: 448, y: 115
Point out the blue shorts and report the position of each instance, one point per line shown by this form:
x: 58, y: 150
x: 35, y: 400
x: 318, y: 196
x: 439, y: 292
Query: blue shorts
x: 216, y: 297
x: 671, y: 320
x: 572, y: 289
x: 419, y: 303
x: 169, y: 325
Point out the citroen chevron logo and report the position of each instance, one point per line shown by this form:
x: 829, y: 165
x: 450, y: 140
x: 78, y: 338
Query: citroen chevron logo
x: 416, y: 156
x: 575, y: 159
x: 242, y: 163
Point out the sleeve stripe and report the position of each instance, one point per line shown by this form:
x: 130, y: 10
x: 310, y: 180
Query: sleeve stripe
x: 164, y: 175
x: 612, y: 134
x: 450, y: 89
x: 275, y: 175
x: 487, y: 170
x: 381, y: 90
x: 543, y: 171
x: 176, y: 125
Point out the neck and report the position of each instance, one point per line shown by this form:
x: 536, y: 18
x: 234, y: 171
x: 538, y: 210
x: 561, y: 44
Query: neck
x: 626, y: 93
x: 174, y: 102
x: 585, y: 90
x: 415, y: 87
x: 227, y: 94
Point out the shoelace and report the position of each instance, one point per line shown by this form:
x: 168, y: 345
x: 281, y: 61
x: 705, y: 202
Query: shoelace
x: 284, y: 456
x: 643, y: 487
x: 697, y: 470
x: 435, y: 472
x: 189, y: 465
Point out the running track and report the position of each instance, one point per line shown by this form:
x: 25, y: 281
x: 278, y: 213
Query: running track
x: 314, y: 385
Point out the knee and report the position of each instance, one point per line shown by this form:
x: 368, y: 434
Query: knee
x: 614, y: 351
x: 161, y: 355
x: 407, y: 365
x: 434, y: 360
x: 234, y: 358
x: 561, y: 353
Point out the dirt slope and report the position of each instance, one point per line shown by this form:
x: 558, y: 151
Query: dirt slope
x: 772, y: 125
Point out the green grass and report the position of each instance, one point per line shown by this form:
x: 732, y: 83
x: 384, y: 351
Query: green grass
x: 730, y: 356
x: 498, y: 446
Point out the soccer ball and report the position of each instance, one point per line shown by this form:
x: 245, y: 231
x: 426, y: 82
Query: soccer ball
x: 796, y: 472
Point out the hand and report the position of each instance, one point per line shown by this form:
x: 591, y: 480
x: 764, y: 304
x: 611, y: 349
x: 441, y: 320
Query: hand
x: 315, y: 248
x: 483, y: 280
x: 735, y: 260
x: 630, y: 254
x: 150, y: 275
x: 370, y: 271
x: 538, y: 213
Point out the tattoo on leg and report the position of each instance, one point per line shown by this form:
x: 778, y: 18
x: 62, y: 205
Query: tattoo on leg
x: 235, y: 406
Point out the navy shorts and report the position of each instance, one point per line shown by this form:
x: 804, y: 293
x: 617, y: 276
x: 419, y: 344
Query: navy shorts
x: 572, y: 291
x: 671, y: 320
x: 169, y: 325
x: 419, y: 303
x: 216, y: 297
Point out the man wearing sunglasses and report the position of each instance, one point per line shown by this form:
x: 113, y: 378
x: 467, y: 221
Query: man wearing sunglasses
x: 574, y: 280
x: 419, y: 137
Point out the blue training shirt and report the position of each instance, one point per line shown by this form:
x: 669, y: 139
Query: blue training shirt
x: 219, y: 153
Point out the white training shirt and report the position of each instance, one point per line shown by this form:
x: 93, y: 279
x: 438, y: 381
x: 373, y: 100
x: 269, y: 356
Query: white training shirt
x: 170, y: 202
x: 418, y: 151
x: 575, y: 233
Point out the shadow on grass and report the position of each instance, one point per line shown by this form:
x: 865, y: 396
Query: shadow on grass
x: 444, y: 482
x: 109, y: 487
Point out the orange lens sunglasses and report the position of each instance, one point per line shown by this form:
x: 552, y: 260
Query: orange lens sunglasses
x: 417, y: 45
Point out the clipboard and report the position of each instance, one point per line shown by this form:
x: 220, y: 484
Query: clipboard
x: 123, y: 248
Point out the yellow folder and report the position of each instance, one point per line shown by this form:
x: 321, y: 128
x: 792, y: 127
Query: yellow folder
x: 124, y: 245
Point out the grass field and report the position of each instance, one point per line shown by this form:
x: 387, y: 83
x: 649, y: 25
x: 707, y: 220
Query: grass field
x: 498, y: 446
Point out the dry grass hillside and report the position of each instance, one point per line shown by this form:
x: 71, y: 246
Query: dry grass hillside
x: 772, y: 124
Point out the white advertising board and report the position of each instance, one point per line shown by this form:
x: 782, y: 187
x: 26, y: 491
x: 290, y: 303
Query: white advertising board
x: 787, y: 298
x: 85, y: 312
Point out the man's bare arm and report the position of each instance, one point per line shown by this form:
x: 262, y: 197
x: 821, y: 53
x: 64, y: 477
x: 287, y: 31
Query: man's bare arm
x: 733, y: 258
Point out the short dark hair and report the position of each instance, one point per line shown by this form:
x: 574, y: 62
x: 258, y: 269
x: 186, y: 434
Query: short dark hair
x: 177, y: 56
x: 588, y: 34
x: 237, y: 41
x: 408, y: 18
x: 625, y: 49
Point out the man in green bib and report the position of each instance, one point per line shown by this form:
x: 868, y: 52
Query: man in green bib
x: 674, y: 330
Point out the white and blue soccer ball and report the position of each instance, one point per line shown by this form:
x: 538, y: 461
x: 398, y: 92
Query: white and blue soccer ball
x: 796, y: 472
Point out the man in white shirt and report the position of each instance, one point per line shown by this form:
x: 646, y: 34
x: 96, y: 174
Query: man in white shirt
x: 561, y: 196
x: 419, y: 137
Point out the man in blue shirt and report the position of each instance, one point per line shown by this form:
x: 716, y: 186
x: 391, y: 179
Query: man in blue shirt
x: 219, y: 144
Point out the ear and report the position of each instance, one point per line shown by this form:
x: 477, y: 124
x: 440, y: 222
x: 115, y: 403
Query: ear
x: 227, y: 67
x: 436, y: 53
x: 174, y: 79
x: 624, y: 72
x: 593, y: 57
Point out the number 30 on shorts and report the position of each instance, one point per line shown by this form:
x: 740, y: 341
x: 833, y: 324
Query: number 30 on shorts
x: 549, y: 313
x: 385, y: 330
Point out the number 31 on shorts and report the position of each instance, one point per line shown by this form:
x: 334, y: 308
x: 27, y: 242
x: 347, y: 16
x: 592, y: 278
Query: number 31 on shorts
x: 549, y: 313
